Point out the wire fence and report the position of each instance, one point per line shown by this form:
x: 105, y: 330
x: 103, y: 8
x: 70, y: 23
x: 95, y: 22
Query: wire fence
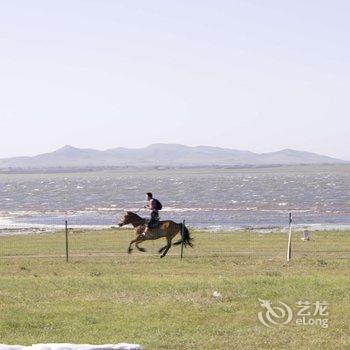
x: 68, y: 241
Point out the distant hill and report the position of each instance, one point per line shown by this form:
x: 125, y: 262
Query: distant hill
x: 162, y: 155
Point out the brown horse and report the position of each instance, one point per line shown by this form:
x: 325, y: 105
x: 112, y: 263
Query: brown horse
x: 168, y: 229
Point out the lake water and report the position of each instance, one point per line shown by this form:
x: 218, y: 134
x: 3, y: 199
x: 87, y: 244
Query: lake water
x: 317, y: 196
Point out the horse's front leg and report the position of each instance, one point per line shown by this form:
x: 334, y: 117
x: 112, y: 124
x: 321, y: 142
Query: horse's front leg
x: 131, y: 243
x: 138, y: 232
x: 141, y: 249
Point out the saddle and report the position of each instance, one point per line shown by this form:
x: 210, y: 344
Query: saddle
x: 152, y: 223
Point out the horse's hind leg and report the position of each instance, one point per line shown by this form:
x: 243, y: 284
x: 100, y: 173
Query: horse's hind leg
x: 167, y: 247
x: 162, y: 249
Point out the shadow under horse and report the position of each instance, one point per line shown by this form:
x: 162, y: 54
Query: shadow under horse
x: 167, y: 229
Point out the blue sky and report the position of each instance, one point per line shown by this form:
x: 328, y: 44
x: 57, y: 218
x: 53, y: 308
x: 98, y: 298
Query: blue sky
x: 256, y: 75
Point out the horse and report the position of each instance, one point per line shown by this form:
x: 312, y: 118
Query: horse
x: 168, y: 229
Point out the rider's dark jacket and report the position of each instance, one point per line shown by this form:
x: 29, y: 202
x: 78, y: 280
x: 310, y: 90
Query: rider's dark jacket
x: 153, y: 222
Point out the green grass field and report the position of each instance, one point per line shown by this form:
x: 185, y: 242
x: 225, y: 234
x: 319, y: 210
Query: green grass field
x: 103, y: 295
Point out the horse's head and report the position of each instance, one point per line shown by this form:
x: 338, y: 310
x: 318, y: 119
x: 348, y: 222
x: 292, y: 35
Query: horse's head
x: 129, y: 218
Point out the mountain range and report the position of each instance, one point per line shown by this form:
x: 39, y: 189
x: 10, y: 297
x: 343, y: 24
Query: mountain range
x: 162, y: 155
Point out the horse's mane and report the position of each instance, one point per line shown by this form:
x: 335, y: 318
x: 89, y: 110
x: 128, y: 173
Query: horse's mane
x: 133, y: 214
x: 135, y: 219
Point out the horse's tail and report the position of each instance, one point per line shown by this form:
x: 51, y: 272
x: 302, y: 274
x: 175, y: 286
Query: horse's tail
x: 186, y: 238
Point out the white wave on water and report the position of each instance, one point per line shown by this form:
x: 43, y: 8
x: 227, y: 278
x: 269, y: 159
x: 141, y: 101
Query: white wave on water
x: 276, y: 228
x: 112, y: 208
x: 9, y: 227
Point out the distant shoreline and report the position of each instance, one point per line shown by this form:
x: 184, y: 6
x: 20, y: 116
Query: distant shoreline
x: 77, y: 170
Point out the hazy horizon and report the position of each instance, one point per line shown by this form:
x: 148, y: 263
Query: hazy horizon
x: 233, y: 74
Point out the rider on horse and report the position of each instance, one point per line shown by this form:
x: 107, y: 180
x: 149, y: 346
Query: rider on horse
x: 167, y: 229
x: 154, y: 206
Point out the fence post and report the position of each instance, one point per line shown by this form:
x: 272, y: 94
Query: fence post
x: 182, y: 238
x: 289, y: 248
x: 66, y: 224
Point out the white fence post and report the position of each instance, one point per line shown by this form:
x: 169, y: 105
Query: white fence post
x: 289, y: 248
